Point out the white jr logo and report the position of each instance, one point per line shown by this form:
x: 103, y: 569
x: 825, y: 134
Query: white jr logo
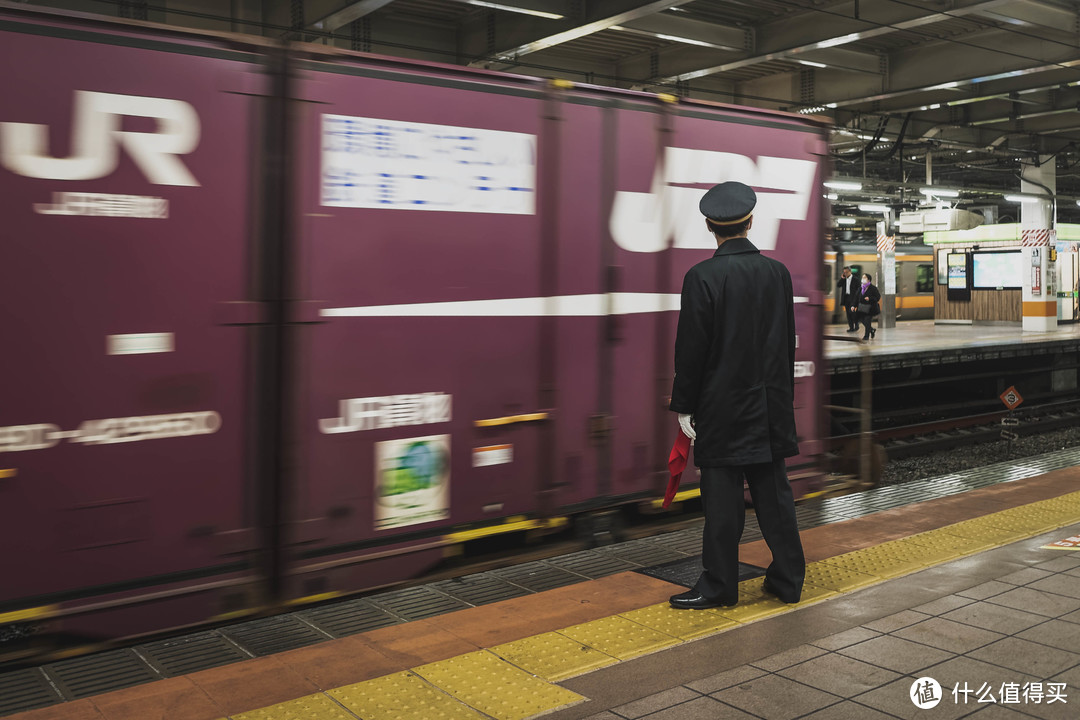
x: 24, y: 147
x: 642, y: 222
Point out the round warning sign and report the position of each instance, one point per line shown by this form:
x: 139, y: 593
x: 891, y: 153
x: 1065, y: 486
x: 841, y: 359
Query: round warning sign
x: 1011, y: 398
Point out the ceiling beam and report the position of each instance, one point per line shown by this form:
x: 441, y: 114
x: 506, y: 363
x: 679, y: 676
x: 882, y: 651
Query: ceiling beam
x: 723, y: 36
x: 894, y: 18
x: 580, y: 31
x: 1035, y: 15
x: 350, y: 13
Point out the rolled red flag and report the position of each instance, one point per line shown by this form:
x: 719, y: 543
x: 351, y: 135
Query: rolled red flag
x: 680, y: 454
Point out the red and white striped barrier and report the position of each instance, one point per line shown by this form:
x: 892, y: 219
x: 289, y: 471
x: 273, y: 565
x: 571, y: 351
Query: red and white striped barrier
x: 886, y: 243
x: 1035, y: 238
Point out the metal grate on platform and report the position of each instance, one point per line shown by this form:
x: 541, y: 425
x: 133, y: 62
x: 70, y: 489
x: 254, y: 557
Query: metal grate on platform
x: 592, y: 564
x: 480, y: 589
x: 538, y: 576
x: 642, y: 552
x: 418, y: 603
x: 274, y: 634
x: 349, y: 618
x: 191, y: 653
x: 100, y: 673
x: 26, y: 690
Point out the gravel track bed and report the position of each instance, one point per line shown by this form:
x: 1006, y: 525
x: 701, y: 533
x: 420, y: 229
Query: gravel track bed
x: 977, y: 455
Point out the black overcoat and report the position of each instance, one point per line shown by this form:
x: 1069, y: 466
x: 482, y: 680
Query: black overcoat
x: 735, y: 357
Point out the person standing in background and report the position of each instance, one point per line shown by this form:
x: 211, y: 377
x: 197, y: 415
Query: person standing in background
x: 848, y: 289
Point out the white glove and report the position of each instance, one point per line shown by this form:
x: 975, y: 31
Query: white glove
x: 686, y: 422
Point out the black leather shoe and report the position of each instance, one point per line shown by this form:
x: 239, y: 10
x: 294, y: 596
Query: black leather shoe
x: 693, y: 600
x: 770, y: 590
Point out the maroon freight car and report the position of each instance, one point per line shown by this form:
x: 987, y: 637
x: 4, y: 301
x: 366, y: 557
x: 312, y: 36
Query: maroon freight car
x: 284, y: 321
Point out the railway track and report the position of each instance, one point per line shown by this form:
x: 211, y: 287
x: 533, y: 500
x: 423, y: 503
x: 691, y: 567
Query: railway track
x: 946, y: 434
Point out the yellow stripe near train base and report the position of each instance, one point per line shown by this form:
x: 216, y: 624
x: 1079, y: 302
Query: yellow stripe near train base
x: 37, y: 613
x: 315, y: 598
x: 515, y: 680
x: 8, y: 473
x: 510, y: 420
x: 679, y: 497
x: 510, y: 525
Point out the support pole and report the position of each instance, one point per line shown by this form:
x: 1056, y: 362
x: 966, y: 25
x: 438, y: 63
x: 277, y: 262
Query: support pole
x: 1037, y: 237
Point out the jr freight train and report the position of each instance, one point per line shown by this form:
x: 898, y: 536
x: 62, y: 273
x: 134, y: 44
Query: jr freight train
x: 282, y: 322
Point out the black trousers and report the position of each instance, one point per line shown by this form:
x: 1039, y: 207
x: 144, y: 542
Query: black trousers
x: 867, y: 320
x: 852, y: 318
x: 725, y: 514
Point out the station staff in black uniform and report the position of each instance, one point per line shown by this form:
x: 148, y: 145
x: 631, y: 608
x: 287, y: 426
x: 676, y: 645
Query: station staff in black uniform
x: 734, y: 391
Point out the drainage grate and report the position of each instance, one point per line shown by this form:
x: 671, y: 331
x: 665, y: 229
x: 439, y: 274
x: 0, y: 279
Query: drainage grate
x: 99, y: 673
x: 592, y: 564
x: 686, y: 571
x: 349, y: 618
x: 687, y: 542
x: 191, y: 653
x: 25, y: 690
x: 273, y: 634
x: 537, y: 576
x: 418, y: 603
x: 480, y: 589
x: 642, y: 552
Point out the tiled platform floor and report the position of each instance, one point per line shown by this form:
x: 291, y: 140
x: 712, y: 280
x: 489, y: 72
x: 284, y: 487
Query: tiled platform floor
x: 1005, y: 616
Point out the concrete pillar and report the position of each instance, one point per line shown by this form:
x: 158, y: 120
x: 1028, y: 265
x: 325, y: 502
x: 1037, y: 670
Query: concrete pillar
x: 1037, y: 237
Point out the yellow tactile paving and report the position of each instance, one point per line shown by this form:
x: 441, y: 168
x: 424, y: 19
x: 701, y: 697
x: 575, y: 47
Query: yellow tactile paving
x: 401, y: 696
x: 619, y: 637
x: 813, y: 594
x: 553, y: 656
x: 881, y: 561
x: 484, y: 681
x: 831, y: 577
x: 942, y: 546
x: 754, y: 609
x: 683, y: 624
x: 309, y: 707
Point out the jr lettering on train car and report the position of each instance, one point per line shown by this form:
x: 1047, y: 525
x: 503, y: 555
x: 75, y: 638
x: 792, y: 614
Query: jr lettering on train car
x: 97, y: 137
x: 642, y: 222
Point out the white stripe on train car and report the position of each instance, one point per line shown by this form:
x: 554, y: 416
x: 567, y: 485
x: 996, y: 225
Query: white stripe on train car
x: 595, y: 305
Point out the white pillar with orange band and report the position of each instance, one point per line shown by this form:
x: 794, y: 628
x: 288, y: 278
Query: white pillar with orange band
x: 1036, y: 219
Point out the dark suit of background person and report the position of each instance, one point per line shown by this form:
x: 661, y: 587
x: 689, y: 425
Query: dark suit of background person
x: 849, y: 288
x: 873, y: 297
x: 734, y: 372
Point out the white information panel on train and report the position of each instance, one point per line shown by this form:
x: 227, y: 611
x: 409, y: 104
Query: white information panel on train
x: 394, y: 165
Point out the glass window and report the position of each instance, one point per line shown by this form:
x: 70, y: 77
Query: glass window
x: 924, y: 278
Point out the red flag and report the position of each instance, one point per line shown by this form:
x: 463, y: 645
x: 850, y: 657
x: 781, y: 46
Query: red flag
x: 680, y: 454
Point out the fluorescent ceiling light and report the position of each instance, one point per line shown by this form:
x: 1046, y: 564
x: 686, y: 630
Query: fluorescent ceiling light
x: 940, y: 192
x: 874, y: 208
x: 834, y: 196
x: 510, y: 8
x: 843, y: 185
x: 669, y: 38
x: 845, y: 221
x: 811, y: 63
x: 1022, y: 198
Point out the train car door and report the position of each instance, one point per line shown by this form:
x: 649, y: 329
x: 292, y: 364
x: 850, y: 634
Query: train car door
x: 421, y: 402
x: 127, y: 170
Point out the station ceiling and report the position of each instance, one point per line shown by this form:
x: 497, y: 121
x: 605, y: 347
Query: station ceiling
x: 959, y: 93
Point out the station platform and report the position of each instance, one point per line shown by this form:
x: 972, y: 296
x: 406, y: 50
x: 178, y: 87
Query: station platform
x: 949, y: 578
x: 914, y: 343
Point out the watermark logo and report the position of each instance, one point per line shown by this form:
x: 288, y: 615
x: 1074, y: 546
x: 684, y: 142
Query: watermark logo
x: 925, y: 693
